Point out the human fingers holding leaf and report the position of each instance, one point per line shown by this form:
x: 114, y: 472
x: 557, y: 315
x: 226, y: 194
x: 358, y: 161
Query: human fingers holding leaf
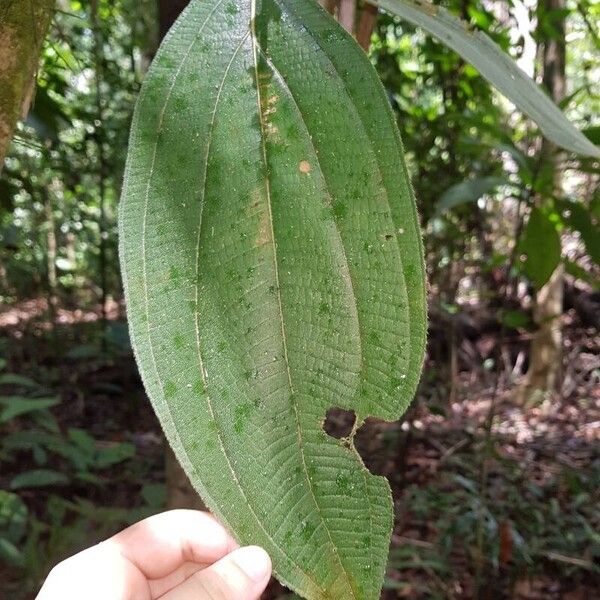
x: 178, y: 555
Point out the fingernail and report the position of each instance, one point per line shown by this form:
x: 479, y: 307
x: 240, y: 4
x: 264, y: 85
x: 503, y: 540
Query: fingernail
x: 254, y: 561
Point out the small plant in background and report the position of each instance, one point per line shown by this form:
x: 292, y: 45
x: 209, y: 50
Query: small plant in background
x: 47, y: 482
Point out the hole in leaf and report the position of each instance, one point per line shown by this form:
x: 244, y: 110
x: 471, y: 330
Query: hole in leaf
x: 382, y: 447
x: 376, y: 442
x: 339, y: 423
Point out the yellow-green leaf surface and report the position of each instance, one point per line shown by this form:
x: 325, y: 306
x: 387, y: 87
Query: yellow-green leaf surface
x: 273, y: 270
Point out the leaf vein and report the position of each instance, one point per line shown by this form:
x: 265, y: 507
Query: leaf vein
x: 256, y: 49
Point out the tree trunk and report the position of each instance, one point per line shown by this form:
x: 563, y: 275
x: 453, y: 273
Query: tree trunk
x: 23, y: 26
x: 366, y: 25
x: 347, y: 15
x: 358, y: 23
x: 52, y: 276
x: 51, y: 247
x: 329, y: 5
x: 102, y: 171
x: 546, y: 345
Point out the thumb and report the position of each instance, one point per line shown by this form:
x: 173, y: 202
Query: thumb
x: 241, y: 575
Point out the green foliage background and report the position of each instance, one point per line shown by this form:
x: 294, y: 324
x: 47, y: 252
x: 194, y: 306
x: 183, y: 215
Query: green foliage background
x: 494, y: 231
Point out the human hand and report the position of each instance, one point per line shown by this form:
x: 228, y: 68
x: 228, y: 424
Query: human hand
x: 177, y: 555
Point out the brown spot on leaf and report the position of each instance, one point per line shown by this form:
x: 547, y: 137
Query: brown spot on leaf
x: 264, y: 230
x: 256, y: 196
x: 304, y: 167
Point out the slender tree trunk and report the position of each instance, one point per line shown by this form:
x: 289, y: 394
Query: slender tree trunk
x: 546, y: 345
x: 23, y: 26
x: 347, y: 15
x: 329, y: 5
x: 359, y: 23
x: 102, y: 163
x: 366, y: 25
x: 51, y: 245
x: 51, y: 276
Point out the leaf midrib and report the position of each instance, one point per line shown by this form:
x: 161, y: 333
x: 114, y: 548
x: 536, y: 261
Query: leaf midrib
x: 321, y: 593
x: 293, y: 402
x: 363, y: 468
x: 146, y: 295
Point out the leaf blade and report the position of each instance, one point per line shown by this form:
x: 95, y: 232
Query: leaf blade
x: 249, y: 287
x: 470, y: 190
x: 38, y: 478
x: 17, y: 406
x: 542, y: 248
x: 497, y: 67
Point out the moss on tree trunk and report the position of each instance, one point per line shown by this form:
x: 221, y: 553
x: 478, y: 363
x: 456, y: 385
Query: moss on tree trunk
x: 23, y: 26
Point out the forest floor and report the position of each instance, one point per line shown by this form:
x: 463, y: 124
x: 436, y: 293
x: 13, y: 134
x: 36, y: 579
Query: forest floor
x: 509, y: 511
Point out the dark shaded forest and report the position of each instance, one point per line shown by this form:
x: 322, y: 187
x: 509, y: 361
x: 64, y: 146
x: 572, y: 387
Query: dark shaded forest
x: 494, y: 469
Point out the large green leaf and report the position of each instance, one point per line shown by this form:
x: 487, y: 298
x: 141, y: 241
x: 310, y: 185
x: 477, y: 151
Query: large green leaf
x: 497, y: 67
x: 580, y: 218
x: 470, y: 190
x: 273, y: 269
x: 541, y: 246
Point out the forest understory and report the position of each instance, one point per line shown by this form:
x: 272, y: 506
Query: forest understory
x: 493, y: 498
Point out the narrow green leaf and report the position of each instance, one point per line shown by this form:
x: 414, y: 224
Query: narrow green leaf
x: 579, y: 218
x: 470, y: 190
x: 10, y: 554
x: 16, y: 406
x: 497, y: 67
x: 17, y: 380
x: 273, y: 269
x: 592, y: 134
x: 114, y: 454
x: 38, y: 478
x: 13, y: 516
x: 541, y: 246
x: 578, y: 272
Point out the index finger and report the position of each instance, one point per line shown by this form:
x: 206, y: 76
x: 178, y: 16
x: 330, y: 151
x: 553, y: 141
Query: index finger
x: 160, y: 544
